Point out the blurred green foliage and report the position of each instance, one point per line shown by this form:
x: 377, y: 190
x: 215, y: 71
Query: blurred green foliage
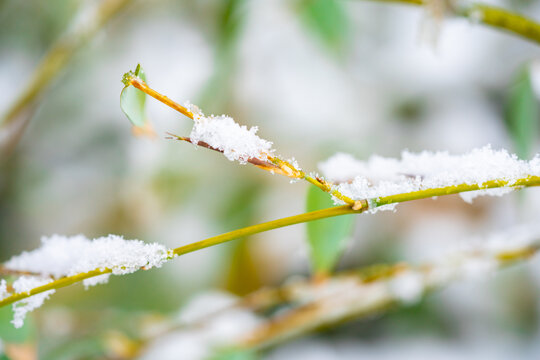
x: 327, y: 21
x: 230, y: 20
x: 326, y: 237
x: 523, y: 116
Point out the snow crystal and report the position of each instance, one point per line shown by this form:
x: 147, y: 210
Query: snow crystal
x: 379, y: 177
x: 65, y: 256
x: 221, y: 132
x: 23, y: 285
x: 96, y: 280
x: 469, y: 196
x: 3, y: 289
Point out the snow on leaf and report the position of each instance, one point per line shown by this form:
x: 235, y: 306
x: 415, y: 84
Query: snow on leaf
x: 3, y: 289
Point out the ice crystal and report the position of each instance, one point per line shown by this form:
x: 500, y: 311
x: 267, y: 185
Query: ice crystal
x: 3, y: 289
x: 65, y: 256
x: 237, y: 142
x: 61, y: 256
x: 379, y: 176
x: 23, y: 285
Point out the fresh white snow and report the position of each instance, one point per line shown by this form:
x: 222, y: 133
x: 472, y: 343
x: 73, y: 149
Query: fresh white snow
x: 379, y: 176
x: 23, y: 285
x: 65, y: 256
x: 221, y: 132
x: 61, y: 256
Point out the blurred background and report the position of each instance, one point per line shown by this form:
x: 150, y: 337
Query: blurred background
x: 316, y: 77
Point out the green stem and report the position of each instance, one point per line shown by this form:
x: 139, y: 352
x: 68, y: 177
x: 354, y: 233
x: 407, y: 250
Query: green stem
x: 496, y: 17
x: 270, y: 225
x: 449, y: 190
x: 505, y: 20
x: 56, y: 284
x: 291, y: 220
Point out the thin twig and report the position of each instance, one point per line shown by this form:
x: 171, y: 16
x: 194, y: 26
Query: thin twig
x: 265, y: 165
x: 280, y: 166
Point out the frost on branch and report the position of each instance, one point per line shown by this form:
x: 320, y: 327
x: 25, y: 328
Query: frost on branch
x: 23, y: 285
x: 3, y: 289
x: 65, y: 256
x: 221, y: 132
x: 379, y: 176
x: 61, y: 256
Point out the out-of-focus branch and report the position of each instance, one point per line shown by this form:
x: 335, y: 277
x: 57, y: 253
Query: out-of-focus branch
x: 308, y: 305
x: 353, y: 296
x: 60, y: 53
x: 496, y: 17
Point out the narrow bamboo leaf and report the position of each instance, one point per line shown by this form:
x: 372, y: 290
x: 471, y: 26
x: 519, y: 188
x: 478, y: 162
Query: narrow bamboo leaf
x: 132, y: 101
x: 522, y: 116
x: 327, y: 20
x: 326, y: 237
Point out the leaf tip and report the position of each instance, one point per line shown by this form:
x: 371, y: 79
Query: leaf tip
x: 127, y: 77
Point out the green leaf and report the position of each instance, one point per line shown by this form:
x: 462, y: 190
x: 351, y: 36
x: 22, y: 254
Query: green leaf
x: 132, y: 100
x: 326, y: 237
x: 327, y: 20
x: 522, y: 115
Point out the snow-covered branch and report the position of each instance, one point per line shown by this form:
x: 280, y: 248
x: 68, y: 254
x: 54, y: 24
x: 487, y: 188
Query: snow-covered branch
x: 63, y: 261
x: 480, y: 172
x: 60, y: 258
